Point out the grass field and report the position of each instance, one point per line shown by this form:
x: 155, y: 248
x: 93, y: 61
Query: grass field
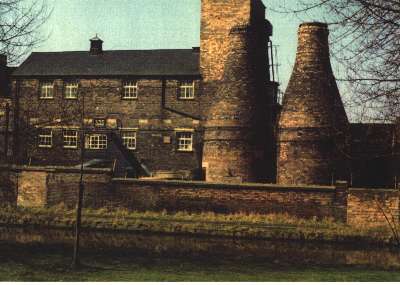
x: 273, y: 226
x: 27, y: 264
x: 28, y: 261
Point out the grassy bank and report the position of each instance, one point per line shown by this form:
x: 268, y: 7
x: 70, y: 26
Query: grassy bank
x: 23, y: 263
x: 233, y: 225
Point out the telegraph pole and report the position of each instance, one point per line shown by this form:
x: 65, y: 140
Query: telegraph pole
x: 6, y: 131
x: 81, y: 189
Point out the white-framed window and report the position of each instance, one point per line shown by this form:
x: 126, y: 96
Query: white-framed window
x: 70, y: 138
x: 129, y: 139
x: 130, y: 90
x: 185, y: 141
x: 71, y: 90
x: 45, y: 138
x: 96, y: 141
x: 99, y: 123
x: 47, y: 90
x: 187, y: 90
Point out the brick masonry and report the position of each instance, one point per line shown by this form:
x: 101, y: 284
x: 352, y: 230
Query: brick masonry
x: 355, y: 206
x: 366, y: 206
x: 234, y: 39
x: 233, y: 116
x: 102, y: 99
x: 313, y: 126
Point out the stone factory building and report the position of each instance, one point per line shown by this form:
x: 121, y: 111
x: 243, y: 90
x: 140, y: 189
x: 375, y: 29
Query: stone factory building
x: 209, y: 113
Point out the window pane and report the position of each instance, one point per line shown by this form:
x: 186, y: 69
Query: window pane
x: 130, y: 90
x: 187, y: 90
x: 129, y: 140
x: 45, y: 138
x: 185, y: 141
x: 96, y: 141
x: 70, y: 138
x: 71, y: 90
x: 46, y: 90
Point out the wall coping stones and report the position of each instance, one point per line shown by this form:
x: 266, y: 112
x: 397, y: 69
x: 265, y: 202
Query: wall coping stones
x: 50, y: 169
x: 376, y: 190
x: 229, y: 186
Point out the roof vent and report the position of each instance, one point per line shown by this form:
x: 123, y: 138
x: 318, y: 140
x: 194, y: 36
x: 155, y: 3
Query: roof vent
x: 96, y: 46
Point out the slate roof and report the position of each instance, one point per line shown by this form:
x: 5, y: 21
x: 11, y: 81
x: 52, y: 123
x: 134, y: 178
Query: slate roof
x: 175, y: 62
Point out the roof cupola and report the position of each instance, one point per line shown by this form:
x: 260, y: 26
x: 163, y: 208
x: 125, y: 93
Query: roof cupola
x: 96, y: 46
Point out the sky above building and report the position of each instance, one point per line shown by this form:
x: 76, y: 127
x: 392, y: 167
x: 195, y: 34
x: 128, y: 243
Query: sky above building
x: 150, y: 24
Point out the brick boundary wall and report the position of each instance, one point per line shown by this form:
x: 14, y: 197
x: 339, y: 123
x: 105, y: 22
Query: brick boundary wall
x: 302, y: 201
x: 50, y: 186
x: 370, y: 206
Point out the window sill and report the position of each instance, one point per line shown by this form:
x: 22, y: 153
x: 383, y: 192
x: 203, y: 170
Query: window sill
x: 185, y: 151
x: 129, y: 99
x: 45, y: 146
x: 71, y: 98
x: 70, y: 147
x: 186, y: 99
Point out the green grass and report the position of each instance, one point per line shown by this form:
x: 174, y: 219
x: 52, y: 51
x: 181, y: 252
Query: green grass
x: 32, y: 265
x: 273, y: 226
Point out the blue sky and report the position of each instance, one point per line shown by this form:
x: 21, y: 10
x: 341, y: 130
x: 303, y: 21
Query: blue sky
x: 149, y: 24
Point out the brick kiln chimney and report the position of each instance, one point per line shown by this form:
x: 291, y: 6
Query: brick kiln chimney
x: 234, y: 64
x: 313, y: 126
x: 96, y: 46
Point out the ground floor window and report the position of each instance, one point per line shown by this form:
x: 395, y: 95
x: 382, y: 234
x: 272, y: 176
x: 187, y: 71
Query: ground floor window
x: 96, y: 141
x: 70, y: 138
x: 185, y: 141
x: 45, y: 138
x: 129, y: 139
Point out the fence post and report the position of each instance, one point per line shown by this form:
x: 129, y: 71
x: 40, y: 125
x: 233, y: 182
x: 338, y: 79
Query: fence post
x: 340, y: 201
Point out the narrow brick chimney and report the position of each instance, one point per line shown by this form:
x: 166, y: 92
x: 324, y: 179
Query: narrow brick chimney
x: 313, y: 126
x: 96, y: 46
x: 3, y: 60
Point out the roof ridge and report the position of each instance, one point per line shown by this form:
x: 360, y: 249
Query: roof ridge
x: 114, y: 50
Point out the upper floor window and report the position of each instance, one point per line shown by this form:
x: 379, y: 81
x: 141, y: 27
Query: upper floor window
x: 71, y: 90
x: 130, y: 90
x: 186, y: 90
x: 185, y: 141
x: 47, y: 90
x: 70, y: 138
x: 96, y: 141
x: 45, y: 138
x: 129, y: 139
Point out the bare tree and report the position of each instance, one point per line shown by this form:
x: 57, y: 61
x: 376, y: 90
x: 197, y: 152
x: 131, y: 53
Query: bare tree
x: 20, y: 23
x: 366, y: 43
